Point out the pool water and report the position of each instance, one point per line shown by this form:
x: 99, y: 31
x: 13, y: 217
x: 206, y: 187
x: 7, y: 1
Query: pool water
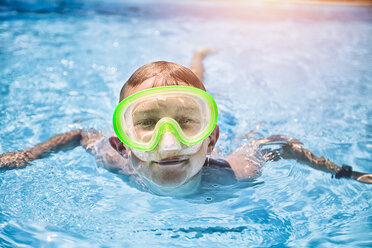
x: 303, y: 71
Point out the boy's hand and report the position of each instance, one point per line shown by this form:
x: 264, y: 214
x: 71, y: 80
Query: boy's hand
x: 11, y: 160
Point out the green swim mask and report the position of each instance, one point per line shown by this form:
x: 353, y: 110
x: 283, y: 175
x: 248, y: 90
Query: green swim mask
x: 141, y: 119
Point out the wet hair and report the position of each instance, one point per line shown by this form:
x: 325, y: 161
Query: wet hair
x: 164, y: 74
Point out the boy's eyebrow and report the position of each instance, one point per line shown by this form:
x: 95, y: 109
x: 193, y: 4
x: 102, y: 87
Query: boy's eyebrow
x: 187, y: 108
x: 150, y: 110
x: 146, y: 111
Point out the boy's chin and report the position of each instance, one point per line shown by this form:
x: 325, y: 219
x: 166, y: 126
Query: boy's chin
x: 169, y: 175
x: 174, y: 183
x: 169, y: 178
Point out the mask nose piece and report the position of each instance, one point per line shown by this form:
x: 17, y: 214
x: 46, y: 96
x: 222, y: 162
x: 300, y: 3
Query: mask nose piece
x: 169, y: 145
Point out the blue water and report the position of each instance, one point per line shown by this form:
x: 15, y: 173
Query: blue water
x: 301, y: 71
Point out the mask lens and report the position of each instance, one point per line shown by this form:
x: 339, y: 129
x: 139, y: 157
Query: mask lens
x: 148, y: 115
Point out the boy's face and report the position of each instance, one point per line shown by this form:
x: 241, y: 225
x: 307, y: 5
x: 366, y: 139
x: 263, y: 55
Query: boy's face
x: 175, y: 164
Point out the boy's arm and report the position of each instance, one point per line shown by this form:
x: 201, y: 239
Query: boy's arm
x: 288, y: 149
x: 304, y: 156
x: 106, y: 156
x: 20, y: 159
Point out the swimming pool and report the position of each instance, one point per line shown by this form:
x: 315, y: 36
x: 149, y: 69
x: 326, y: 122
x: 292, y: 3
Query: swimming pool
x: 301, y: 71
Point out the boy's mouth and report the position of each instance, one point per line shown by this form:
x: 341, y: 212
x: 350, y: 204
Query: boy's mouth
x: 171, y: 161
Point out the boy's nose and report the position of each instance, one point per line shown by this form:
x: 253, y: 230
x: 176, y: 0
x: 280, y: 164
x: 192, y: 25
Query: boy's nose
x: 169, y: 145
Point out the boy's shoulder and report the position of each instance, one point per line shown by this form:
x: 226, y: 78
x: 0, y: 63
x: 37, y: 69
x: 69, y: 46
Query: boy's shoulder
x: 107, y: 157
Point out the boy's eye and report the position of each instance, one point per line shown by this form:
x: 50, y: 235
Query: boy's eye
x: 146, y: 123
x: 184, y: 121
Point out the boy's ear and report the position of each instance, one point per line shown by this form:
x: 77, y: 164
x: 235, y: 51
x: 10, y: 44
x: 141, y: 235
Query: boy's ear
x: 213, y: 139
x: 118, y: 145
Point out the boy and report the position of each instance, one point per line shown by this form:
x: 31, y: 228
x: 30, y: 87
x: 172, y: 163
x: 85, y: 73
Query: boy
x: 166, y: 131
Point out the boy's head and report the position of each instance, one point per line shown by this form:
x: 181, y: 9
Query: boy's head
x: 160, y: 73
x: 171, y: 165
